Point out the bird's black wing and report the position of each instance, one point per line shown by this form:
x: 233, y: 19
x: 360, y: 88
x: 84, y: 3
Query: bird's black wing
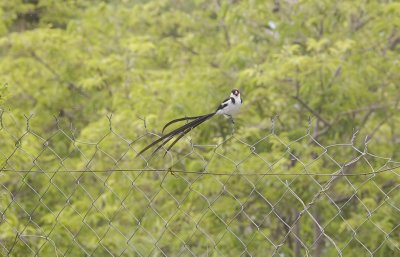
x: 224, y: 103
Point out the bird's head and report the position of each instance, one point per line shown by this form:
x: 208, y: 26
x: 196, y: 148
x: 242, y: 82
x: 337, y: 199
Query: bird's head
x: 235, y: 92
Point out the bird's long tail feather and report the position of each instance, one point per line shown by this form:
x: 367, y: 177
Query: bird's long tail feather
x: 183, y: 130
x: 181, y: 135
x: 172, y: 144
x: 180, y: 119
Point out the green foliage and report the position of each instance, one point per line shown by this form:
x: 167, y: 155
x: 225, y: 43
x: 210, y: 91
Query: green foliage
x: 336, y: 61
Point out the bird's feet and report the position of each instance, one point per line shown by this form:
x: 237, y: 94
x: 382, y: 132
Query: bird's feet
x: 232, y: 123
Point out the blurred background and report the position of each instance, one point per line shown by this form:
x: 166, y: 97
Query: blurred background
x: 313, y: 75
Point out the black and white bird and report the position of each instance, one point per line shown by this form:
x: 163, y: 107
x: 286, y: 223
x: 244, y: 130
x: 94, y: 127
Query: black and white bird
x: 229, y: 107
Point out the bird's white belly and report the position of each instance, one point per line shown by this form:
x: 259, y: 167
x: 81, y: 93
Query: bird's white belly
x: 231, y: 109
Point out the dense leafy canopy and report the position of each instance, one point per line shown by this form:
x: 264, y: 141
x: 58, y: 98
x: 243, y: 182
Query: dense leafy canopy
x: 334, y: 61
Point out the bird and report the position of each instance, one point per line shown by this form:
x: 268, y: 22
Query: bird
x: 229, y: 107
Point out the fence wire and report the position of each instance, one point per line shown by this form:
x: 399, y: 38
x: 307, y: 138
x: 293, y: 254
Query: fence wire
x: 64, y: 194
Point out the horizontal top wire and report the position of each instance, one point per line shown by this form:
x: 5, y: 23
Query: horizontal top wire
x: 337, y: 174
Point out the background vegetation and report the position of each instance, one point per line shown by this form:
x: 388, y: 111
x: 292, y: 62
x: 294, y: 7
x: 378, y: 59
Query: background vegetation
x: 334, y: 61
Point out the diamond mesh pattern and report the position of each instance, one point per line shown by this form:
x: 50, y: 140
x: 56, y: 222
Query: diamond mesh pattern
x: 63, y: 194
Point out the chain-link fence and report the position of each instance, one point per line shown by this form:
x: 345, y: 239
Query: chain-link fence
x: 64, y: 194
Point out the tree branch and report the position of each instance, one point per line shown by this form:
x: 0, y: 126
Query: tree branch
x: 223, y: 26
x: 56, y: 75
x: 316, y: 114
